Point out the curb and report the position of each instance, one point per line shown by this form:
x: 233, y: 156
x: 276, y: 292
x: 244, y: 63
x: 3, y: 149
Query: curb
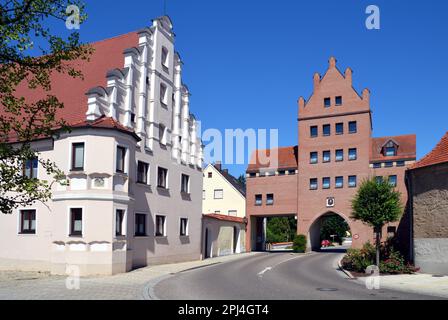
x: 347, y: 273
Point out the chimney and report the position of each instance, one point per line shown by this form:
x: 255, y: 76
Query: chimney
x: 218, y: 165
x: 226, y: 170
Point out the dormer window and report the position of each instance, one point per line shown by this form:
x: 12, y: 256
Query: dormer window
x: 390, y: 149
x: 165, y: 59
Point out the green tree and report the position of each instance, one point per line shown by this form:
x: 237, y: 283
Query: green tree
x: 375, y: 204
x: 29, y: 53
x: 334, y: 225
x: 280, y: 229
x: 242, y: 179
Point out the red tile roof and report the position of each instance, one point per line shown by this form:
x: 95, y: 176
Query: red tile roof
x: 437, y: 155
x: 223, y: 217
x: 104, y: 123
x: 287, y: 158
x: 406, y: 148
x: 108, y: 54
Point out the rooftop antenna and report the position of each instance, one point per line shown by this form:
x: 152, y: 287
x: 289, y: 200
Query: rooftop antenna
x: 164, y: 7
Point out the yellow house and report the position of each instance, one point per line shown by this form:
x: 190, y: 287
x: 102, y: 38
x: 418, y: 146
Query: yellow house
x: 224, y: 209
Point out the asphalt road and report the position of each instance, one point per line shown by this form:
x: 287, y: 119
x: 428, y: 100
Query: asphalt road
x: 272, y: 276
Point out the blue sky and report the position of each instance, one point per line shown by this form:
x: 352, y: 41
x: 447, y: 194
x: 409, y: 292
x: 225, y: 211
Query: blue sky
x: 247, y: 62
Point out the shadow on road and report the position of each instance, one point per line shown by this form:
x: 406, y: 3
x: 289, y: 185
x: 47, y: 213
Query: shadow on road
x: 332, y: 250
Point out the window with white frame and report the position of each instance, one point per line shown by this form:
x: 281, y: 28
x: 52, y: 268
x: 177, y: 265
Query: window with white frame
x: 119, y: 219
x: 270, y: 199
x: 233, y: 213
x: 28, y: 221
x: 76, y: 222
x: 162, y: 178
x: 142, y: 172
x: 218, y: 194
x: 183, y: 231
x: 203, y: 194
x: 160, y: 226
x: 77, y: 156
x: 30, y: 168
x: 185, y: 183
x: 121, y: 159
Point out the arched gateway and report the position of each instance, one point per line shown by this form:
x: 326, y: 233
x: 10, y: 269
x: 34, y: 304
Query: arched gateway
x: 314, y: 231
x: 334, y: 154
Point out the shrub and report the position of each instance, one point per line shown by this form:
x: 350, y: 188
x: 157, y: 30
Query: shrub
x: 299, y: 244
x: 392, y: 262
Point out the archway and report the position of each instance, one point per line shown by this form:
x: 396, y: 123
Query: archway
x: 331, y: 226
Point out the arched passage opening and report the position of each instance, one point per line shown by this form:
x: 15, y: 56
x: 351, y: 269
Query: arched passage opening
x: 329, y: 230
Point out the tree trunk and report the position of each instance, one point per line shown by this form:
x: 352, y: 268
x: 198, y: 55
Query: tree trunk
x: 378, y: 245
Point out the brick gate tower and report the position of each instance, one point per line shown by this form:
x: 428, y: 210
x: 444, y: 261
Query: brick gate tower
x: 335, y: 153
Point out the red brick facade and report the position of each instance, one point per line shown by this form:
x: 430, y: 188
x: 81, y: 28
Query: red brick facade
x: 336, y: 106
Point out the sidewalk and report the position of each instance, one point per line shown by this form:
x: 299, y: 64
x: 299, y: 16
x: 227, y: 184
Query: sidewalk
x: 16, y: 285
x: 416, y: 283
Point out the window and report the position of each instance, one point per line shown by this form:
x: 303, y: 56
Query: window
x: 142, y: 172
x: 352, y: 154
x: 218, y: 194
x: 270, y: 199
x: 75, y: 222
x: 326, y: 183
x: 160, y: 226
x: 338, y: 100
x: 313, y: 184
x: 393, y: 181
x: 203, y: 194
x: 162, y: 134
x: 162, y: 178
x: 379, y: 179
x: 326, y: 129
x: 252, y: 175
x: 121, y: 156
x: 210, y: 174
x: 390, y: 151
x: 352, y: 181
x: 185, y: 184
x: 258, y: 199
x: 233, y: 213
x: 313, y: 157
x: 352, y: 127
x: 30, y: 168
x: 326, y: 156
x: 78, y: 156
x: 400, y: 163
x: 133, y: 117
x: 183, y: 227
x: 391, y: 230
x: 140, y: 225
x: 119, y: 218
x: 339, y: 182
x: 313, y: 131
x: 339, y: 155
x: 291, y: 171
x: 218, y: 212
x: 327, y: 102
x: 164, y: 57
x: 389, y: 164
x: 281, y: 172
x: 163, y: 94
x: 339, y: 128
x: 28, y: 221
x: 377, y: 165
